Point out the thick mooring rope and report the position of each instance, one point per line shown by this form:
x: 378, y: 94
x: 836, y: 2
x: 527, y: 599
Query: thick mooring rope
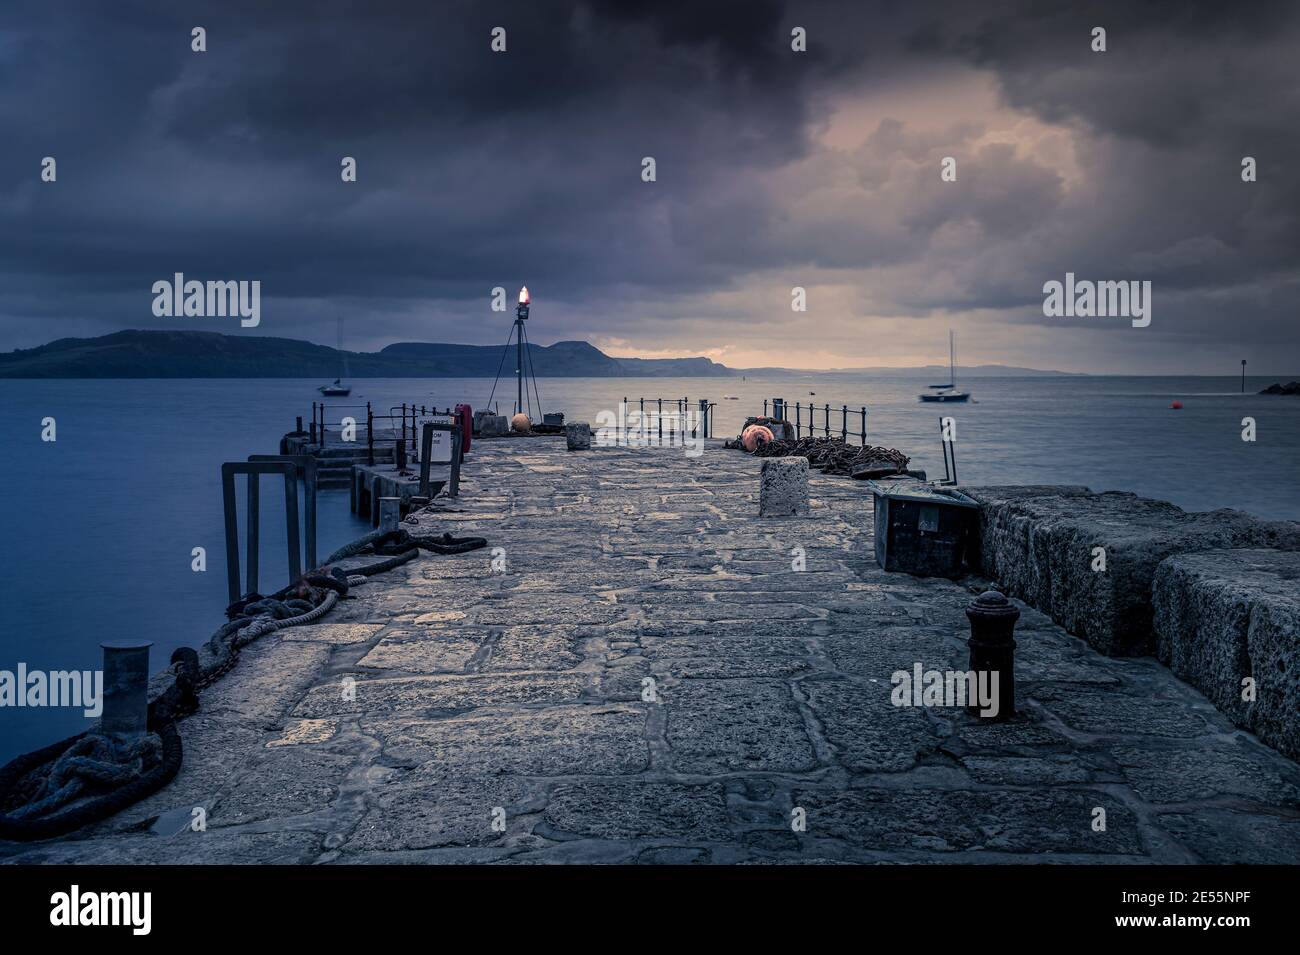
x: 91, y: 776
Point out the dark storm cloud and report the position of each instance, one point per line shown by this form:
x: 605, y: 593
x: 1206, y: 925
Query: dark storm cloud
x: 479, y: 169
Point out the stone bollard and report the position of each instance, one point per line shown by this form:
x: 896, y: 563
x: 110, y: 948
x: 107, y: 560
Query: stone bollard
x: 126, y: 687
x: 390, y: 513
x: 783, y: 487
x: 992, y: 648
x: 578, y: 435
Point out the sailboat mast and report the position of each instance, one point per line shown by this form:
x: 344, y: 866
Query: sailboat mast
x: 343, y: 358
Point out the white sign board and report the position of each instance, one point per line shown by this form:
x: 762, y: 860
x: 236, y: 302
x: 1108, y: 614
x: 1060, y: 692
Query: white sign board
x: 441, y: 453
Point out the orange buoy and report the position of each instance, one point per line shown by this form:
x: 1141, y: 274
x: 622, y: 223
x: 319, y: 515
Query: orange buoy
x: 520, y: 423
x: 1176, y: 405
x: 755, y: 435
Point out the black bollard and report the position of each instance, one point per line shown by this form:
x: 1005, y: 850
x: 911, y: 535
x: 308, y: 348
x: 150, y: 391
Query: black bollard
x: 126, y: 687
x: 992, y: 648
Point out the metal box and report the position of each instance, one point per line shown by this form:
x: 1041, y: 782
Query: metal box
x: 923, y: 530
x: 553, y: 419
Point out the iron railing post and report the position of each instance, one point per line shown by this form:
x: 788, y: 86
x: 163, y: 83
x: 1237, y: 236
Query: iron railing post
x: 291, y: 524
x: 453, y: 482
x: 426, y: 453
x: 254, y: 523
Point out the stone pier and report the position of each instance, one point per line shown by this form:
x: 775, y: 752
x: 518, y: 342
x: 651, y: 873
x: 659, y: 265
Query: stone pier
x: 641, y: 674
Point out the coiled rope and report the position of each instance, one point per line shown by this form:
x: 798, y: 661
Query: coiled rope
x: 91, y: 776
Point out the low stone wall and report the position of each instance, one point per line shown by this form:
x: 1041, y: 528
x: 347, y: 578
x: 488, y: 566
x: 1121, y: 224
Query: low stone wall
x: 1224, y: 616
x: 1039, y: 543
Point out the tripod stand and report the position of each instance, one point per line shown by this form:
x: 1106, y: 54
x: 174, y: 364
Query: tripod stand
x: 524, y: 371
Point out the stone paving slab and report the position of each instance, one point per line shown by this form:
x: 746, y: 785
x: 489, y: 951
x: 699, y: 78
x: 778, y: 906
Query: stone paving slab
x: 649, y: 681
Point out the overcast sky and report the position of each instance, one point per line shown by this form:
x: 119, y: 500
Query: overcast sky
x: 774, y: 169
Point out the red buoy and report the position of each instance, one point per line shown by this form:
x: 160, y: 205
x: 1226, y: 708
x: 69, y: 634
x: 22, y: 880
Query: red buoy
x: 1176, y: 405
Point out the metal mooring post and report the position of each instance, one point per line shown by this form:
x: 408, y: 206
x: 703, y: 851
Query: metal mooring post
x: 390, y: 513
x: 370, y: 436
x: 426, y: 454
x: 453, y: 484
x: 992, y: 648
x: 126, y: 687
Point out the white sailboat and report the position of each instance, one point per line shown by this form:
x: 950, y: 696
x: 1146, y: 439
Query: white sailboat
x: 948, y: 391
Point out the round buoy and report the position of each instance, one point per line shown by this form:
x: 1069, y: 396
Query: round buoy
x: 755, y: 435
x: 520, y: 423
x: 1176, y: 405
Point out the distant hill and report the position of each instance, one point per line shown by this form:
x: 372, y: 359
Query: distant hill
x: 176, y: 354
x: 164, y: 354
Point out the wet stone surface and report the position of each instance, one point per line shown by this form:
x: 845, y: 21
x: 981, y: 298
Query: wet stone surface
x: 650, y: 680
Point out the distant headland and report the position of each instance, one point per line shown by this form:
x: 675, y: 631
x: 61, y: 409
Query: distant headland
x: 192, y: 354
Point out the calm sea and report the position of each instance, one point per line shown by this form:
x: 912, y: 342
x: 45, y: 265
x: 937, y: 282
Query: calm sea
x: 99, y: 526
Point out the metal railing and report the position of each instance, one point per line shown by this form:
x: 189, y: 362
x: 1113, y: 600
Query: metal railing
x: 401, y: 422
x: 291, y: 467
x: 805, y: 419
x: 678, y: 409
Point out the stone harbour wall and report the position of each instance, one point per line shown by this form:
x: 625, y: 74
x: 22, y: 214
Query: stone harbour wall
x: 1228, y: 622
x: 1215, y: 596
x: 1040, y: 544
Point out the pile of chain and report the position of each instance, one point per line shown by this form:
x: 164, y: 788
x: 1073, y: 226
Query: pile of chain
x: 834, y: 456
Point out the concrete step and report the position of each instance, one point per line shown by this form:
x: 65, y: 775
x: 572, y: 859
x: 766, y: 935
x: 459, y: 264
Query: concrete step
x: 349, y: 454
